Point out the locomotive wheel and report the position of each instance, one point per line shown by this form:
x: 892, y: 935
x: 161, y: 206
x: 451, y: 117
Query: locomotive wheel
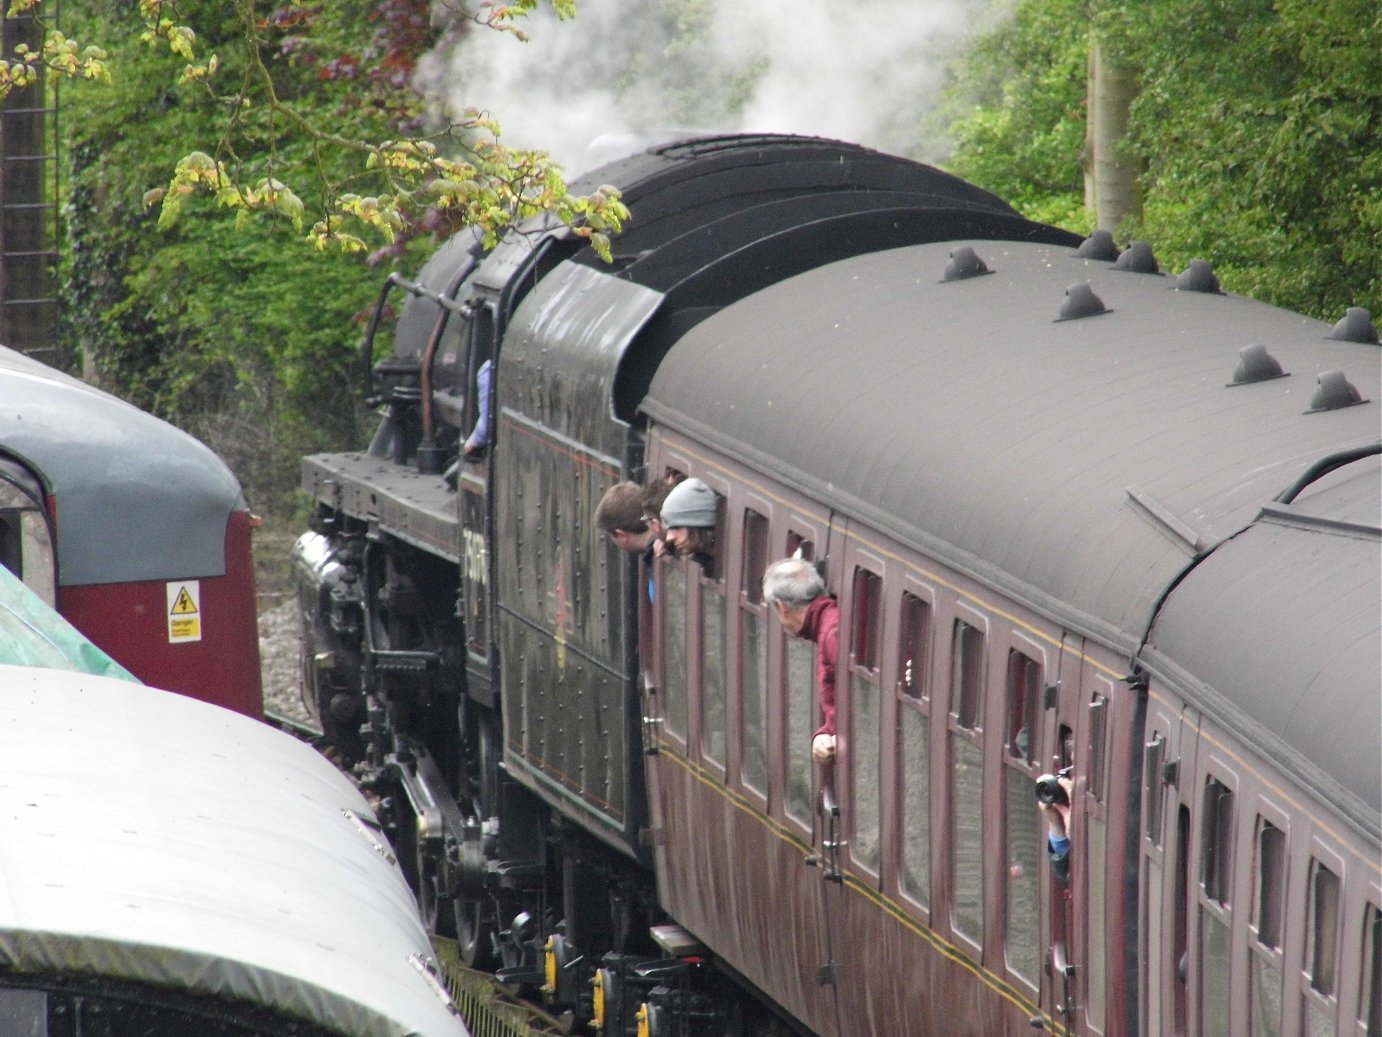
x: 474, y: 932
x: 474, y: 913
x: 431, y: 905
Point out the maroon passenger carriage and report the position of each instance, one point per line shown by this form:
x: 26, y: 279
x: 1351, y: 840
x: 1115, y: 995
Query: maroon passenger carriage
x: 135, y: 532
x: 1077, y: 512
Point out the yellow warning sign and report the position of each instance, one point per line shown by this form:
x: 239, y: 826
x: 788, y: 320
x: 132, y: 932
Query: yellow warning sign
x: 184, y: 611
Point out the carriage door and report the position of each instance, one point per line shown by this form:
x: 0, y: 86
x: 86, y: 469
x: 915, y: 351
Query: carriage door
x: 1167, y: 810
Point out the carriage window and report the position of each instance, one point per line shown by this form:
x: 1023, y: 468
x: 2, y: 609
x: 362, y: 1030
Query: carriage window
x: 1216, y: 874
x: 966, y: 776
x: 1218, y: 838
x: 1098, y: 740
x: 1371, y: 1007
x: 915, y: 645
x: 802, y: 709
x: 1024, y: 698
x: 1151, y: 787
x: 1270, y: 888
x: 671, y: 592
x: 1022, y: 819
x: 914, y: 747
x: 915, y: 766
x: 1324, y: 927
x: 1323, y: 936
x: 1271, y: 883
x: 864, y: 712
x: 1021, y: 816
x: 754, y: 633
x: 867, y: 604
x: 713, y: 671
x: 966, y: 672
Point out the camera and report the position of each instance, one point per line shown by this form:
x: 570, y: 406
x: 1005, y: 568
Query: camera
x: 1049, y: 791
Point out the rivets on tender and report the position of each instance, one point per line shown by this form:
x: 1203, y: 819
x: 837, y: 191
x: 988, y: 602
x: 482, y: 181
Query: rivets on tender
x: 1255, y: 364
x: 1355, y: 326
x: 1080, y: 301
x: 964, y: 263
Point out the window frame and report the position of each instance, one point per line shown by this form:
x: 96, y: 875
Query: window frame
x: 958, y: 710
x: 863, y: 622
x: 755, y: 516
x: 915, y: 699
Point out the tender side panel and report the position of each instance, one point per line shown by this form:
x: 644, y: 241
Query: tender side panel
x: 197, y: 636
x: 560, y: 595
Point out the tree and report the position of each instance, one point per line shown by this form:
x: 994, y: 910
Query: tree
x: 429, y: 175
x: 1256, y: 130
x: 242, y: 331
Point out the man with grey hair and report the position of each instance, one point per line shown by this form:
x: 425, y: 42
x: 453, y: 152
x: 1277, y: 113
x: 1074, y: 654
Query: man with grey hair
x: 797, y: 593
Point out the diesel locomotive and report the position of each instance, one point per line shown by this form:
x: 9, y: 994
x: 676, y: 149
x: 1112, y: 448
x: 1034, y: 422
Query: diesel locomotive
x: 1078, y: 512
x: 134, y: 531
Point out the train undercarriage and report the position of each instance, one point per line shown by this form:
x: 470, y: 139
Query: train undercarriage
x: 554, y: 913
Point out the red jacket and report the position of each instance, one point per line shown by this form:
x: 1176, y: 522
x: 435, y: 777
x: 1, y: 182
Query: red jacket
x: 822, y: 625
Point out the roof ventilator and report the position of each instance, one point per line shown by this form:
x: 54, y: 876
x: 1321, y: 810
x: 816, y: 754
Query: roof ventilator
x: 1335, y: 393
x: 1098, y: 245
x: 964, y: 263
x: 1138, y: 259
x: 1255, y: 364
x: 1199, y: 277
x: 1356, y: 326
x: 1080, y: 301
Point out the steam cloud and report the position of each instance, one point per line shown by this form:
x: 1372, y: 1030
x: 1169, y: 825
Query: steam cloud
x: 625, y: 72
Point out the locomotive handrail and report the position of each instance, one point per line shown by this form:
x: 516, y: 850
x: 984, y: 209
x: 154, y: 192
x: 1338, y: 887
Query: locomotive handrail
x: 397, y: 280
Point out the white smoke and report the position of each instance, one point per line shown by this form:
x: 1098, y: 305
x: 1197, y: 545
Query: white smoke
x: 625, y: 72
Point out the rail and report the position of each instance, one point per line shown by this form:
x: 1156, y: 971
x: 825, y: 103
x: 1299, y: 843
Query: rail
x: 488, y: 1008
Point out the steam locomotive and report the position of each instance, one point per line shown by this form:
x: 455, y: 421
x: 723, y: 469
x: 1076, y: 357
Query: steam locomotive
x: 135, y: 532
x: 1078, y: 513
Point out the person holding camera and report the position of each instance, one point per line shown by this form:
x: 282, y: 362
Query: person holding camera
x: 1053, y: 793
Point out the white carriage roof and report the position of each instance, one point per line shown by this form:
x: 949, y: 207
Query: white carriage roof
x: 148, y: 837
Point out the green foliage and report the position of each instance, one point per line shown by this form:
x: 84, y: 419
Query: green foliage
x: 242, y: 335
x: 241, y: 330
x: 1258, y: 127
x: 1017, y: 107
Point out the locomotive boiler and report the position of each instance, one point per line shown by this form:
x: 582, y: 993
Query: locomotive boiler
x: 1078, y: 513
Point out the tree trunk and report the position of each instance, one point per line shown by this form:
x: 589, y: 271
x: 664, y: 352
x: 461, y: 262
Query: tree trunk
x: 1112, y: 177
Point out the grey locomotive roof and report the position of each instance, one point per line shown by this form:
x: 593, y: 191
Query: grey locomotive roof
x: 145, y: 836
x: 1080, y: 465
x: 137, y: 498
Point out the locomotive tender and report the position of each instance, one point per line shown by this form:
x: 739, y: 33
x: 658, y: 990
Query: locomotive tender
x: 1078, y: 512
x: 134, y: 531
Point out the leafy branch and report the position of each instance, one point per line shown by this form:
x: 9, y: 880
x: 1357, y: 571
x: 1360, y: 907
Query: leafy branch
x: 459, y: 176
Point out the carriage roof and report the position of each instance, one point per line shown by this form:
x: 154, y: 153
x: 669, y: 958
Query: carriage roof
x: 149, y: 838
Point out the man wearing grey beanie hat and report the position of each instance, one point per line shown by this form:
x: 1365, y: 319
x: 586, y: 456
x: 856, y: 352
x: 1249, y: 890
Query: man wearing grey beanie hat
x: 689, y: 515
